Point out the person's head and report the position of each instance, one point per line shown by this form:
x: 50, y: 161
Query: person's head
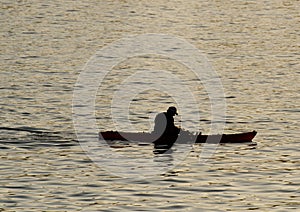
x: 172, y: 111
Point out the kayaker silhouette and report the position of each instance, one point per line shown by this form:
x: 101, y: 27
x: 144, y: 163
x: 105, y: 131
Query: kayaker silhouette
x: 165, y: 128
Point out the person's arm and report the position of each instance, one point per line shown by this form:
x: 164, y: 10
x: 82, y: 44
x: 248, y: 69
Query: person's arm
x: 173, y: 127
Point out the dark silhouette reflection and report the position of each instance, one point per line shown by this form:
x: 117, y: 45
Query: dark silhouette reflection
x: 163, y: 144
x: 158, y: 151
x: 165, y: 130
x: 164, y: 159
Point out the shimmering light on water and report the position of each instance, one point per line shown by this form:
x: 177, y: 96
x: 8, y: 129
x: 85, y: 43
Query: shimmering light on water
x: 254, y: 47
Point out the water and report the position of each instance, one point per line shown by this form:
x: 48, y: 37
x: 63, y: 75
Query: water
x: 253, y: 46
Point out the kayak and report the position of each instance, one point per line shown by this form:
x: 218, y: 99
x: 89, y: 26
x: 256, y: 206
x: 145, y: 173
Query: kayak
x: 183, y: 137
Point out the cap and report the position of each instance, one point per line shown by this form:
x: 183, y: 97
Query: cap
x: 173, y: 109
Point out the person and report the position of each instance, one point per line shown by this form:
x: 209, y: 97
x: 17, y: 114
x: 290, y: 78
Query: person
x: 164, y: 124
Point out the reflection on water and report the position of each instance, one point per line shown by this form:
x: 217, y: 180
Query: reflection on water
x: 64, y: 177
x: 252, y: 45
